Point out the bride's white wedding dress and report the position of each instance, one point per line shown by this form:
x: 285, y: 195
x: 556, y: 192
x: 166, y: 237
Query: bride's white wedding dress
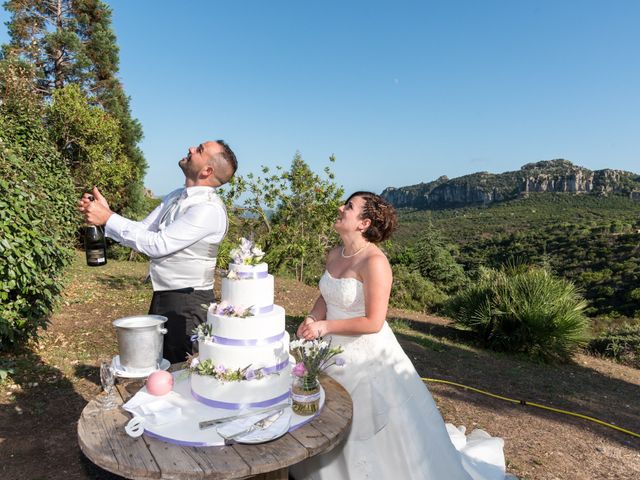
x: 397, y: 431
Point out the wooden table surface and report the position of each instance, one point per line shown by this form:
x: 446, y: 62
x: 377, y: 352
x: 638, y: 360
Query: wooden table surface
x: 103, y: 440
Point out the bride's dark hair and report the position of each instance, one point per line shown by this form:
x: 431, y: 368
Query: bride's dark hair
x: 380, y: 212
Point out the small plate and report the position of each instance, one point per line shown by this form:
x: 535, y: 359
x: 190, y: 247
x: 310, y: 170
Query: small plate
x: 276, y: 430
x: 121, y: 372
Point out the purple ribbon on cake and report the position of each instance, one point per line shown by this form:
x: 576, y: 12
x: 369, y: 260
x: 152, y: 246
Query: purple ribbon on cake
x: 237, y: 406
x: 250, y: 342
x: 274, y: 368
x: 250, y: 275
x: 259, y: 310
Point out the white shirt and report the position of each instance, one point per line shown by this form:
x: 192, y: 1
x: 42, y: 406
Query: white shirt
x: 177, y: 236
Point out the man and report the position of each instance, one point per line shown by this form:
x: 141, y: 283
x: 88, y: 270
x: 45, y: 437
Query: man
x: 181, y: 236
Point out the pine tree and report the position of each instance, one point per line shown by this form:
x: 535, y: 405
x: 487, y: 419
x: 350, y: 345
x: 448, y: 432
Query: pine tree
x: 94, y: 20
x: 44, y: 35
x: 71, y: 41
x: 435, y: 261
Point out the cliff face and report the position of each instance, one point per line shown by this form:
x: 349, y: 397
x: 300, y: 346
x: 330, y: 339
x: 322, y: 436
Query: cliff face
x: 484, y: 188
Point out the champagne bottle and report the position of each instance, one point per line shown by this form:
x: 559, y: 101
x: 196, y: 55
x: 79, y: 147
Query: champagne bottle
x: 95, y: 246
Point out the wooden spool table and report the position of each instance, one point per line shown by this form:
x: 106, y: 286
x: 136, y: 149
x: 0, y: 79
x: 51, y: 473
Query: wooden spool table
x: 103, y: 440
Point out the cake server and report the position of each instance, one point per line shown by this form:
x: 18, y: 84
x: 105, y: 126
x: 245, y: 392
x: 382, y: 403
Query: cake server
x: 261, y: 424
x: 217, y: 421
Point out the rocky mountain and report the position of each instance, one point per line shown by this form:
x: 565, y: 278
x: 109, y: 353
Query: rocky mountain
x: 483, y: 188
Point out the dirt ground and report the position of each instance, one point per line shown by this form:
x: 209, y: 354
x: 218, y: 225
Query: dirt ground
x: 53, y: 380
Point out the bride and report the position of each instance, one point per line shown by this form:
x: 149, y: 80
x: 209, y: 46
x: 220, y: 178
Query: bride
x: 397, y: 431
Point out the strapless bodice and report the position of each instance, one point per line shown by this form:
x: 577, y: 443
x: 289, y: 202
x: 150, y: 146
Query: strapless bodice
x: 344, y: 296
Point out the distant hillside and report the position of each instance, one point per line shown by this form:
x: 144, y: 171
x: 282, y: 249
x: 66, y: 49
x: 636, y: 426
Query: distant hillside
x: 483, y: 188
x: 593, y: 240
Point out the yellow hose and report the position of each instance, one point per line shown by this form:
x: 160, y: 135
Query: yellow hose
x: 524, y: 402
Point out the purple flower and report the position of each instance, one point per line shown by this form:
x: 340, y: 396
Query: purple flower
x: 250, y: 374
x: 339, y: 361
x: 220, y: 370
x: 299, y: 370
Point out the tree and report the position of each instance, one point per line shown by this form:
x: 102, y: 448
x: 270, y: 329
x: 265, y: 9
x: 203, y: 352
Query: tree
x: 94, y: 29
x: 87, y: 137
x: 291, y: 213
x: 71, y: 42
x: 44, y: 35
x: 435, y: 261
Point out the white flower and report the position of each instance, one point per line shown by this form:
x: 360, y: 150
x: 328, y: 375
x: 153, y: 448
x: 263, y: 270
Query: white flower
x: 246, y: 253
x: 245, y: 245
x: 235, y: 254
x: 323, y: 344
x: 295, y: 344
x: 194, y: 362
x: 232, y: 275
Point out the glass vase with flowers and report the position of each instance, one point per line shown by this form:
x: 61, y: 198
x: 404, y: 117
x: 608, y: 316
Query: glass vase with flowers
x: 312, y: 357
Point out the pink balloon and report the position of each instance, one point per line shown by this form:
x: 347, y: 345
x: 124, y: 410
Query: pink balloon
x: 159, y: 383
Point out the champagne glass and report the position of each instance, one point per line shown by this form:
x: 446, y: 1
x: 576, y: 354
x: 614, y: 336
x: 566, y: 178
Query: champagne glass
x: 108, y: 381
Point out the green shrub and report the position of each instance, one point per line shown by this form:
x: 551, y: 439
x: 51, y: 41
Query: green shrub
x: 37, y: 224
x: 620, y: 343
x: 411, y: 290
x: 435, y: 261
x: 523, y: 309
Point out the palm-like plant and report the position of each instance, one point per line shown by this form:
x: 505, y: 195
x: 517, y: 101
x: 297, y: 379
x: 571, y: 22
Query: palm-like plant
x: 524, y: 309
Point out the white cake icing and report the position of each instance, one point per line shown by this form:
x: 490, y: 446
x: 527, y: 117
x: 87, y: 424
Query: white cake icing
x: 257, y: 343
x: 255, y: 357
x: 248, y: 292
x: 256, y: 327
x: 255, y: 393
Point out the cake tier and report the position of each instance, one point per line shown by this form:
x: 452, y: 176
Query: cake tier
x: 249, y: 271
x: 262, y: 392
x: 271, y: 357
x: 260, y: 329
x: 253, y: 287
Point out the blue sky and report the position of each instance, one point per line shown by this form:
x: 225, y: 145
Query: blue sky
x: 401, y: 92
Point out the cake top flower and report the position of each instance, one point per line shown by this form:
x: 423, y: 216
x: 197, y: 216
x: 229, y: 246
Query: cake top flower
x: 247, y: 253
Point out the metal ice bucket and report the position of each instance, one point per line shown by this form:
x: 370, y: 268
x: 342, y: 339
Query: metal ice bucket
x: 140, y: 341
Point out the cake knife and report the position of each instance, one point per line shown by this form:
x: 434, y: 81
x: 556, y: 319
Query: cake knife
x: 261, y: 424
x: 217, y: 421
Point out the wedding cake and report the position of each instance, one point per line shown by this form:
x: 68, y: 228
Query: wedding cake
x: 243, y: 358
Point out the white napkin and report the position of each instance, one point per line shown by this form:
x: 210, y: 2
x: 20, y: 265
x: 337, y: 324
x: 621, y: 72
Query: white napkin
x: 154, y: 410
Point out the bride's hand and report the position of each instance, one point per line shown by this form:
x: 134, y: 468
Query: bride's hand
x: 312, y: 330
x: 306, y: 322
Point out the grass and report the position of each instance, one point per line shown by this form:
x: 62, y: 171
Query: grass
x: 52, y: 381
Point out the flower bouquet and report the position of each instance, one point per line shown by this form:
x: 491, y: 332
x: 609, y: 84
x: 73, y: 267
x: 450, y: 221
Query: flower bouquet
x: 247, y: 253
x: 312, y: 357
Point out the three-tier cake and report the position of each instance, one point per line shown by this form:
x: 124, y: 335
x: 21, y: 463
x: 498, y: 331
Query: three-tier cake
x: 243, y: 356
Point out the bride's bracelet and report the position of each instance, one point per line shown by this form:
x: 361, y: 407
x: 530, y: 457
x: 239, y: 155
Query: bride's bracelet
x: 312, y: 317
